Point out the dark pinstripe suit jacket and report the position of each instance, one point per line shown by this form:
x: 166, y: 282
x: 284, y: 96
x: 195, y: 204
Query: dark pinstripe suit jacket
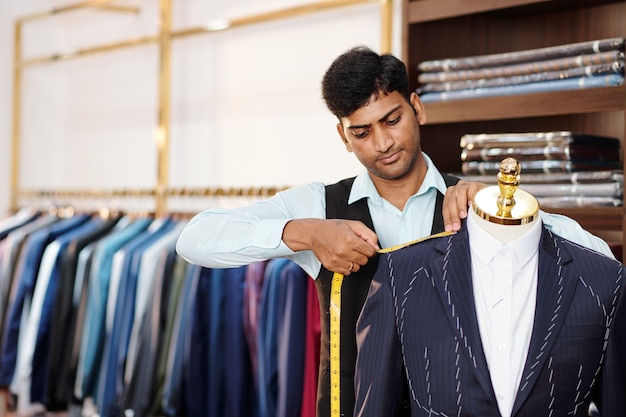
x: 419, y: 321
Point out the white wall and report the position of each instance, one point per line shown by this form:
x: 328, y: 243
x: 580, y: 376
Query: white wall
x: 246, y: 107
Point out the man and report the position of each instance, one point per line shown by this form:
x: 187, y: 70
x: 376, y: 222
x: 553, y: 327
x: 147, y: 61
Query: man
x: 339, y: 228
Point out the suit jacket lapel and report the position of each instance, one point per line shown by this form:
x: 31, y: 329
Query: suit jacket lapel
x: 555, y: 289
x: 451, y: 271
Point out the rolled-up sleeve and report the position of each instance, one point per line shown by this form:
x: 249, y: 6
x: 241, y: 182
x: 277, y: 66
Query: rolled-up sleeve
x: 572, y: 230
x: 213, y: 241
x: 218, y: 238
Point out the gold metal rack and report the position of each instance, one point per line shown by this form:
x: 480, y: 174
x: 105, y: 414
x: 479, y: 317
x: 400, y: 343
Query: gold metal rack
x: 224, y: 191
x: 62, y: 194
x: 164, y: 38
x: 132, y: 201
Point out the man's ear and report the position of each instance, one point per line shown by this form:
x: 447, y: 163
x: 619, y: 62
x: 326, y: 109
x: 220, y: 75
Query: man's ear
x: 343, y: 137
x: 419, y: 108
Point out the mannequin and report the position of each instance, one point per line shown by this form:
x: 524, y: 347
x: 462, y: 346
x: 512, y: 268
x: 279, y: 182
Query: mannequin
x: 502, y: 318
x: 504, y: 211
x: 504, y: 235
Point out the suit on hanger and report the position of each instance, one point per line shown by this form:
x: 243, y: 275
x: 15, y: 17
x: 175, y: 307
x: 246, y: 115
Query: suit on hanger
x: 419, y: 322
x: 172, y: 402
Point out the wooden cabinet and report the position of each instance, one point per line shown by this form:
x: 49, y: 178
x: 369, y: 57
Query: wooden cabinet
x: 437, y: 29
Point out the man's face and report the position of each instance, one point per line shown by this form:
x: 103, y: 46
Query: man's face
x: 384, y: 135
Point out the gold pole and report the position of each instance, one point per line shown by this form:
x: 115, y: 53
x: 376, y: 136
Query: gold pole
x: 63, y: 9
x: 163, y: 127
x: 217, y: 25
x: 164, y: 38
x: 86, y: 193
x: 114, y: 8
x: 386, y: 26
x: 305, y: 9
x: 17, y: 109
x: 88, y: 51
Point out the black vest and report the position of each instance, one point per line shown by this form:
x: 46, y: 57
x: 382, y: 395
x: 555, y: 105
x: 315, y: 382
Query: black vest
x: 353, y: 293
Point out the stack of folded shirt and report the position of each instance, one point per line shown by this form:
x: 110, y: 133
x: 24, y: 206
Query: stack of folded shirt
x: 589, y: 64
x: 561, y: 169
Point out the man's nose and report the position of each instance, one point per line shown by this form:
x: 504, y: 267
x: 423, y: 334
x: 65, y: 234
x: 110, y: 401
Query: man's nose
x: 382, y: 140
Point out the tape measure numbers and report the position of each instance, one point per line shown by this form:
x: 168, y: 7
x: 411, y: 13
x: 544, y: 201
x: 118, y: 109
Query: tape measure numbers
x: 335, y: 325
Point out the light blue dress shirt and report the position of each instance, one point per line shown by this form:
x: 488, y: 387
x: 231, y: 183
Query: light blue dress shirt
x: 217, y: 238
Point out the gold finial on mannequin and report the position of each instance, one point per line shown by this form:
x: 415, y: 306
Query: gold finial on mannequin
x: 506, y: 203
x: 508, y: 181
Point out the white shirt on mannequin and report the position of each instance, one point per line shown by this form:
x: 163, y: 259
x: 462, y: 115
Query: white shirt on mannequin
x: 504, y: 271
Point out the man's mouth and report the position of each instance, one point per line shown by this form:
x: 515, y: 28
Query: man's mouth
x: 391, y: 158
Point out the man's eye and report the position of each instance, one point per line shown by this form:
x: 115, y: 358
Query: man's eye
x: 394, y: 121
x: 360, y: 134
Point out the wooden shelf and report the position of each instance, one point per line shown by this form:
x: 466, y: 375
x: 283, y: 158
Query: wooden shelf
x: 527, y: 105
x: 420, y: 11
x: 428, y: 10
x: 596, y: 218
x: 440, y: 29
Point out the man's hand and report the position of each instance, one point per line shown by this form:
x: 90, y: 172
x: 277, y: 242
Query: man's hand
x: 456, y: 201
x: 342, y: 246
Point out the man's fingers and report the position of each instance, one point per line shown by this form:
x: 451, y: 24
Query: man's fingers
x: 366, y: 235
x: 455, y: 203
x: 343, y: 246
x: 373, y: 242
x: 450, y: 210
x: 352, y: 268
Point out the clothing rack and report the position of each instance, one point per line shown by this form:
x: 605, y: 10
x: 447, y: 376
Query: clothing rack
x: 170, y: 192
x: 133, y: 328
x: 164, y: 37
x: 137, y: 201
x: 224, y: 192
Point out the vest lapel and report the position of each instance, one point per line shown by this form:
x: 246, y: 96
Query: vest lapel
x: 555, y: 289
x: 438, y: 225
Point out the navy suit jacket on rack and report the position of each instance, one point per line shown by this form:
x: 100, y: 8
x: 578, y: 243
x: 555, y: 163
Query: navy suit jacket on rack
x: 419, y: 322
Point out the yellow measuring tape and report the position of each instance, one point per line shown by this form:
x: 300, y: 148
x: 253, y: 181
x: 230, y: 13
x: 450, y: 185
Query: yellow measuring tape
x: 335, y: 320
x: 335, y: 317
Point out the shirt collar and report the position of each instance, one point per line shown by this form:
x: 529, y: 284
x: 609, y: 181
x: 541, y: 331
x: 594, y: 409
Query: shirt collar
x: 363, y: 186
x: 486, y: 246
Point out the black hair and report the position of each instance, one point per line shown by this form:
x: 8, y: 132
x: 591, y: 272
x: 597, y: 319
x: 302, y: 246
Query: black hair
x: 358, y: 73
